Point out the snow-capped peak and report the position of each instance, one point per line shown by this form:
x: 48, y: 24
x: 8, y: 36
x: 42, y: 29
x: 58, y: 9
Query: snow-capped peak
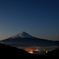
x: 22, y: 35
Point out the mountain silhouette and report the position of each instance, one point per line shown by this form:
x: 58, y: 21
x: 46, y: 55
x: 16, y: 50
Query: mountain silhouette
x: 24, y: 39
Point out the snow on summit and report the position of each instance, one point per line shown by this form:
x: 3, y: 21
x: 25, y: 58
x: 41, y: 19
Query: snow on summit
x: 22, y: 35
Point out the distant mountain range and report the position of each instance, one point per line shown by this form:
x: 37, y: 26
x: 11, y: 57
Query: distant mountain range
x: 24, y: 39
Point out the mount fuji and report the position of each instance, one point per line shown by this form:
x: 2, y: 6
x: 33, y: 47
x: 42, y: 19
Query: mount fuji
x: 24, y: 39
x: 23, y: 35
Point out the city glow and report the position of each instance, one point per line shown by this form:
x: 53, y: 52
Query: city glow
x: 30, y: 50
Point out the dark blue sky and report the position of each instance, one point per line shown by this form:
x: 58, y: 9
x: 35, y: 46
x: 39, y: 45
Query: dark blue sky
x: 39, y: 18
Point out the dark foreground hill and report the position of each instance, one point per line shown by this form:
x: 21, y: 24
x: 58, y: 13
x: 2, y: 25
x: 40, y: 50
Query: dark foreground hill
x: 12, y: 52
x: 54, y: 54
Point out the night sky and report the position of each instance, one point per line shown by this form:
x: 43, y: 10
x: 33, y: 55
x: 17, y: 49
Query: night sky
x: 39, y: 18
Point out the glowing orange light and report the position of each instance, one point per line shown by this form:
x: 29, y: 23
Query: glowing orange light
x: 29, y: 50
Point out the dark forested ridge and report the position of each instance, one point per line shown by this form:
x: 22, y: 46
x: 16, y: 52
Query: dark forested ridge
x: 13, y: 52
